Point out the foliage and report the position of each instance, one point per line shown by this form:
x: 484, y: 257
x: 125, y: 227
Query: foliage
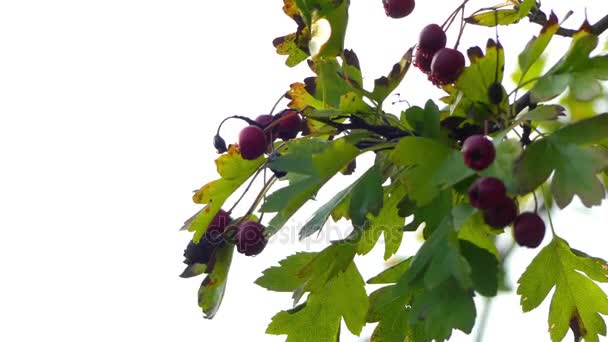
x: 548, y: 141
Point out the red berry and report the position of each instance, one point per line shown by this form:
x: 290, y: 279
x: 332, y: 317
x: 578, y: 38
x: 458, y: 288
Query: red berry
x: 216, y: 228
x: 432, y: 39
x: 252, y: 142
x: 478, y: 152
x: 487, y: 192
x: 289, y: 124
x: 264, y: 119
x: 529, y: 229
x: 422, y: 60
x: 502, y: 214
x: 398, y: 8
x: 446, y: 66
x: 250, y: 239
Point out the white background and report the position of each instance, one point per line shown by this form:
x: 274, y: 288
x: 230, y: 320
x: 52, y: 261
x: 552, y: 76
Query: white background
x: 107, y: 109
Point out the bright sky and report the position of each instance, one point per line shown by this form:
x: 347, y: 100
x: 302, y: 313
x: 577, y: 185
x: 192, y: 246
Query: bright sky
x: 107, y: 110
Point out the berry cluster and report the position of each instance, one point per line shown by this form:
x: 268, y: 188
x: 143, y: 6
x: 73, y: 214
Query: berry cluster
x: 489, y: 194
x: 256, y: 139
x: 442, y: 65
x: 249, y: 239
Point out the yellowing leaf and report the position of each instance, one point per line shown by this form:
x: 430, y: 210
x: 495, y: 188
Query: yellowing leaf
x: 234, y: 171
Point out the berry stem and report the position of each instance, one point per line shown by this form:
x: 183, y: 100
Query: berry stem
x: 277, y: 103
x: 246, y: 189
x: 546, y: 200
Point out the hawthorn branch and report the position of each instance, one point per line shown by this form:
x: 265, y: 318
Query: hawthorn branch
x: 539, y: 17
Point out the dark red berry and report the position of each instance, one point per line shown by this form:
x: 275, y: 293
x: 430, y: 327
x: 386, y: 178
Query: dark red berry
x: 529, y: 229
x: 198, y: 253
x: 487, y: 192
x: 502, y: 214
x: 478, y: 152
x: 216, y: 228
x: 252, y: 142
x: 250, y: 239
x: 398, y: 8
x: 446, y: 67
x: 289, y: 124
x: 422, y: 60
x: 264, y: 119
x: 432, y: 39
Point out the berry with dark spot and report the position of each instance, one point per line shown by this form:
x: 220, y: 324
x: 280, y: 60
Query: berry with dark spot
x: 487, y: 192
x: 289, y: 124
x: 502, y: 214
x: 252, y: 142
x: 529, y: 230
x: 250, y: 239
x: 398, y: 8
x: 478, y: 152
x: 446, y: 67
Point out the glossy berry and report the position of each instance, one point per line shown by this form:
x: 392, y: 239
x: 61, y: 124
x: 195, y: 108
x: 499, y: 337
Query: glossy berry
x: 250, y: 239
x: 502, y: 214
x: 446, y: 67
x: 274, y: 155
x: 216, y: 228
x: 398, y: 8
x: 252, y: 142
x: 289, y: 124
x: 529, y: 229
x: 432, y: 39
x: 487, y: 192
x: 478, y: 152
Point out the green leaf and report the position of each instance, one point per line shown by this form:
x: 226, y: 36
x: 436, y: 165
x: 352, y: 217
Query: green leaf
x: 531, y: 55
x: 234, y: 171
x: 476, y: 231
x: 392, y: 274
x: 576, y: 298
x: 387, y: 222
x: 484, y: 268
x: 317, y: 221
x: 389, y: 307
x: 584, y: 132
x: 366, y: 197
x: 439, y: 259
x: 328, y: 28
x: 385, y: 85
x: 443, y: 308
x: 423, y: 157
x: 575, y: 174
x: 494, y: 17
x: 319, y: 318
x: 575, y: 70
x: 424, y: 121
x: 212, y: 288
x: 287, y: 277
x: 542, y: 113
x: 329, y: 161
x: 431, y: 214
